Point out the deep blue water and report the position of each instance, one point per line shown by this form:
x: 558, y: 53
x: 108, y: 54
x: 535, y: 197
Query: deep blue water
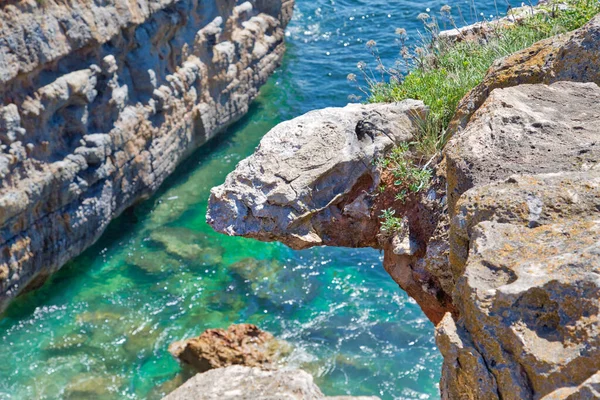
x: 100, y: 327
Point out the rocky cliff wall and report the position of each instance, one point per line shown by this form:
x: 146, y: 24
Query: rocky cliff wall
x: 500, y: 251
x: 101, y: 101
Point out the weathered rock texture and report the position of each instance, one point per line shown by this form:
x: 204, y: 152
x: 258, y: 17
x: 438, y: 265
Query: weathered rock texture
x: 101, y: 101
x: 523, y: 130
x: 517, y: 247
x: 242, y: 344
x: 308, y: 183
x: 244, y: 383
x: 573, y: 56
x: 524, y: 248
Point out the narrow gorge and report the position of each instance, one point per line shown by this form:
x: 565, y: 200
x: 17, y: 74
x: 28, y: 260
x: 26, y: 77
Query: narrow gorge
x: 102, y: 102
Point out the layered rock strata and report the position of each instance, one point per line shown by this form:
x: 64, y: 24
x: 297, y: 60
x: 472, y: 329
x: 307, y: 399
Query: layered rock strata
x: 100, y: 102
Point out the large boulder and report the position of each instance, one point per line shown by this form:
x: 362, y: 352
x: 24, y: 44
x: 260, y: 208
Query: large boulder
x: 243, y: 344
x: 309, y: 181
x: 526, y: 129
x: 529, y: 301
x: 524, y: 190
x: 573, y: 56
x: 312, y: 182
x: 524, y: 200
x: 244, y: 383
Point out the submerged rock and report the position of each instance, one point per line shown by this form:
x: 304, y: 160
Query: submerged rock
x: 272, y: 281
x: 87, y: 386
x: 187, y: 244
x: 244, y: 383
x: 243, y: 344
x: 153, y: 261
x: 308, y: 182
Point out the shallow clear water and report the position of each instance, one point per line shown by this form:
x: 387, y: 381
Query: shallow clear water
x: 100, y: 327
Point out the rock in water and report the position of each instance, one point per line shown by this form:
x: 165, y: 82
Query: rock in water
x: 242, y: 344
x: 102, y: 100
x: 307, y: 184
x: 244, y: 383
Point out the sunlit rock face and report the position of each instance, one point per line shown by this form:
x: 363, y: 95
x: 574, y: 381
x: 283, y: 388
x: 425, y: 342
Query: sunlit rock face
x: 524, y: 189
x: 245, y: 383
x: 573, y: 56
x: 313, y: 181
x: 101, y: 102
x: 310, y: 180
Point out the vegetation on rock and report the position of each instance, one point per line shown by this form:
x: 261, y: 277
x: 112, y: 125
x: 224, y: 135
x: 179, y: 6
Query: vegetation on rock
x: 442, y: 71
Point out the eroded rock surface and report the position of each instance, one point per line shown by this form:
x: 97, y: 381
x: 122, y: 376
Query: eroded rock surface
x: 524, y: 248
x: 309, y: 181
x: 573, y: 56
x: 312, y: 182
x: 101, y: 101
x: 243, y: 344
x: 245, y: 383
x: 529, y: 301
x: 514, y: 239
x: 526, y: 129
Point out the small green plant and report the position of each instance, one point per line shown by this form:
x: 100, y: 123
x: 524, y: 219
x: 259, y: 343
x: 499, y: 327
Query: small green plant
x: 390, y: 224
x: 408, y: 176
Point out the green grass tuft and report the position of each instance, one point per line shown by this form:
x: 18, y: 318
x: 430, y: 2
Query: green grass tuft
x: 409, y: 177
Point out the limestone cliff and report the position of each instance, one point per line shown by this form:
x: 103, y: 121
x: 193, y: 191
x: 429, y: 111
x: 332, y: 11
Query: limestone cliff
x: 500, y: 251
x: 100, y: 101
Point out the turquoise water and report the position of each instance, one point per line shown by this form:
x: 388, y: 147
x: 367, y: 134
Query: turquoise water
x: 100, y: 328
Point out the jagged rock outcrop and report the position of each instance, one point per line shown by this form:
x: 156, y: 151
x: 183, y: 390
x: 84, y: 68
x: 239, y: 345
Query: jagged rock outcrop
x: 243, y: 344
x: 312, y: 181
x: 517, y: 247
x: 573, y: 56
x: 529, y: 303
x: 483, y: 30
x: 527, y: 129
x: 101, y: 101
x: 309, y: 181
x: 245, y: 383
